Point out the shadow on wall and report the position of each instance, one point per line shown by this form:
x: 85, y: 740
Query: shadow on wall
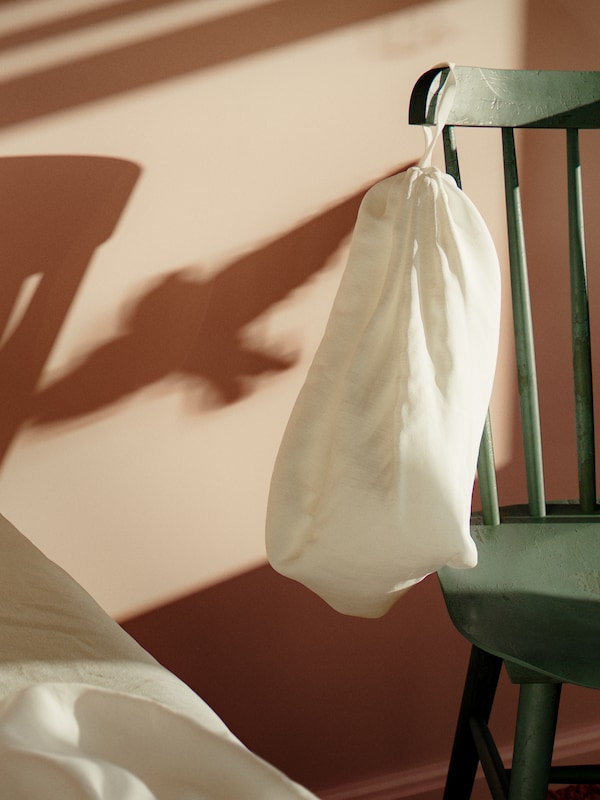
x: 329, y: 699
x: 196, y: 47
x: 54, y: 212
x: 194, y: 328
x: 183, y: 325
x: 205, y: 317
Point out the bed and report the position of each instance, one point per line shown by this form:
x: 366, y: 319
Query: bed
x: 85, y: 712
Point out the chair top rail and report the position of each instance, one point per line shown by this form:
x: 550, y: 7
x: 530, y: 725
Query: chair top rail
x: 499, y: 98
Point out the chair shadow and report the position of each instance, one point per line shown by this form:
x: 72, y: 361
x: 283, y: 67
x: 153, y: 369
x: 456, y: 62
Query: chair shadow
x: 54, y: 212
x: 194, y: 329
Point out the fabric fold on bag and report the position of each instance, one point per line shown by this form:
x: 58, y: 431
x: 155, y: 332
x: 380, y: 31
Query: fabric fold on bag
x: 371, y: 489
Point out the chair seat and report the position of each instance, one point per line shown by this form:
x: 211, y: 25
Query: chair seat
x: 534, y: 598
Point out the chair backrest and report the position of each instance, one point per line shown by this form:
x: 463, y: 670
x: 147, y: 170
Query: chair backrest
x: 509, y: 99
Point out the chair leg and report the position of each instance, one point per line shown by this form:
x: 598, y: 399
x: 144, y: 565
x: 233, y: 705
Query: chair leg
x: 478, y: 696
x: 534, y: 740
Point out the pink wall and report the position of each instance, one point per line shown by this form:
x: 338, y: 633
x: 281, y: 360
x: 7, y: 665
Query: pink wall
x: 222, y: 150
x: 183, y: 177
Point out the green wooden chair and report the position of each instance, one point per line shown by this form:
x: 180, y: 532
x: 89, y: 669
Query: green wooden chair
x: 533, y: 602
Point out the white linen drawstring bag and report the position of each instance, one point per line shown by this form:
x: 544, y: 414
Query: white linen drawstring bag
x: 371, y: 489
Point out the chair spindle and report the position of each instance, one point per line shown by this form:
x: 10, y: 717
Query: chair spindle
x: 525, y: 351
x: 580, y: 324
x: 486, y: 467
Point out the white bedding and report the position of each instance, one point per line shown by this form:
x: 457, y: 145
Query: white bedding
x: 85, y: 712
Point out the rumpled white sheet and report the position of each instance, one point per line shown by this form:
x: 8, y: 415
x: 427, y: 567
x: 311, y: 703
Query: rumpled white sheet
x: 85, y: 712
x: 78, y: 742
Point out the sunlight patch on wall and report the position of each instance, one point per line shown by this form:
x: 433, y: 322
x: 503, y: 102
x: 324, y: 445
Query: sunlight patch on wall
x: 22, y: 301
